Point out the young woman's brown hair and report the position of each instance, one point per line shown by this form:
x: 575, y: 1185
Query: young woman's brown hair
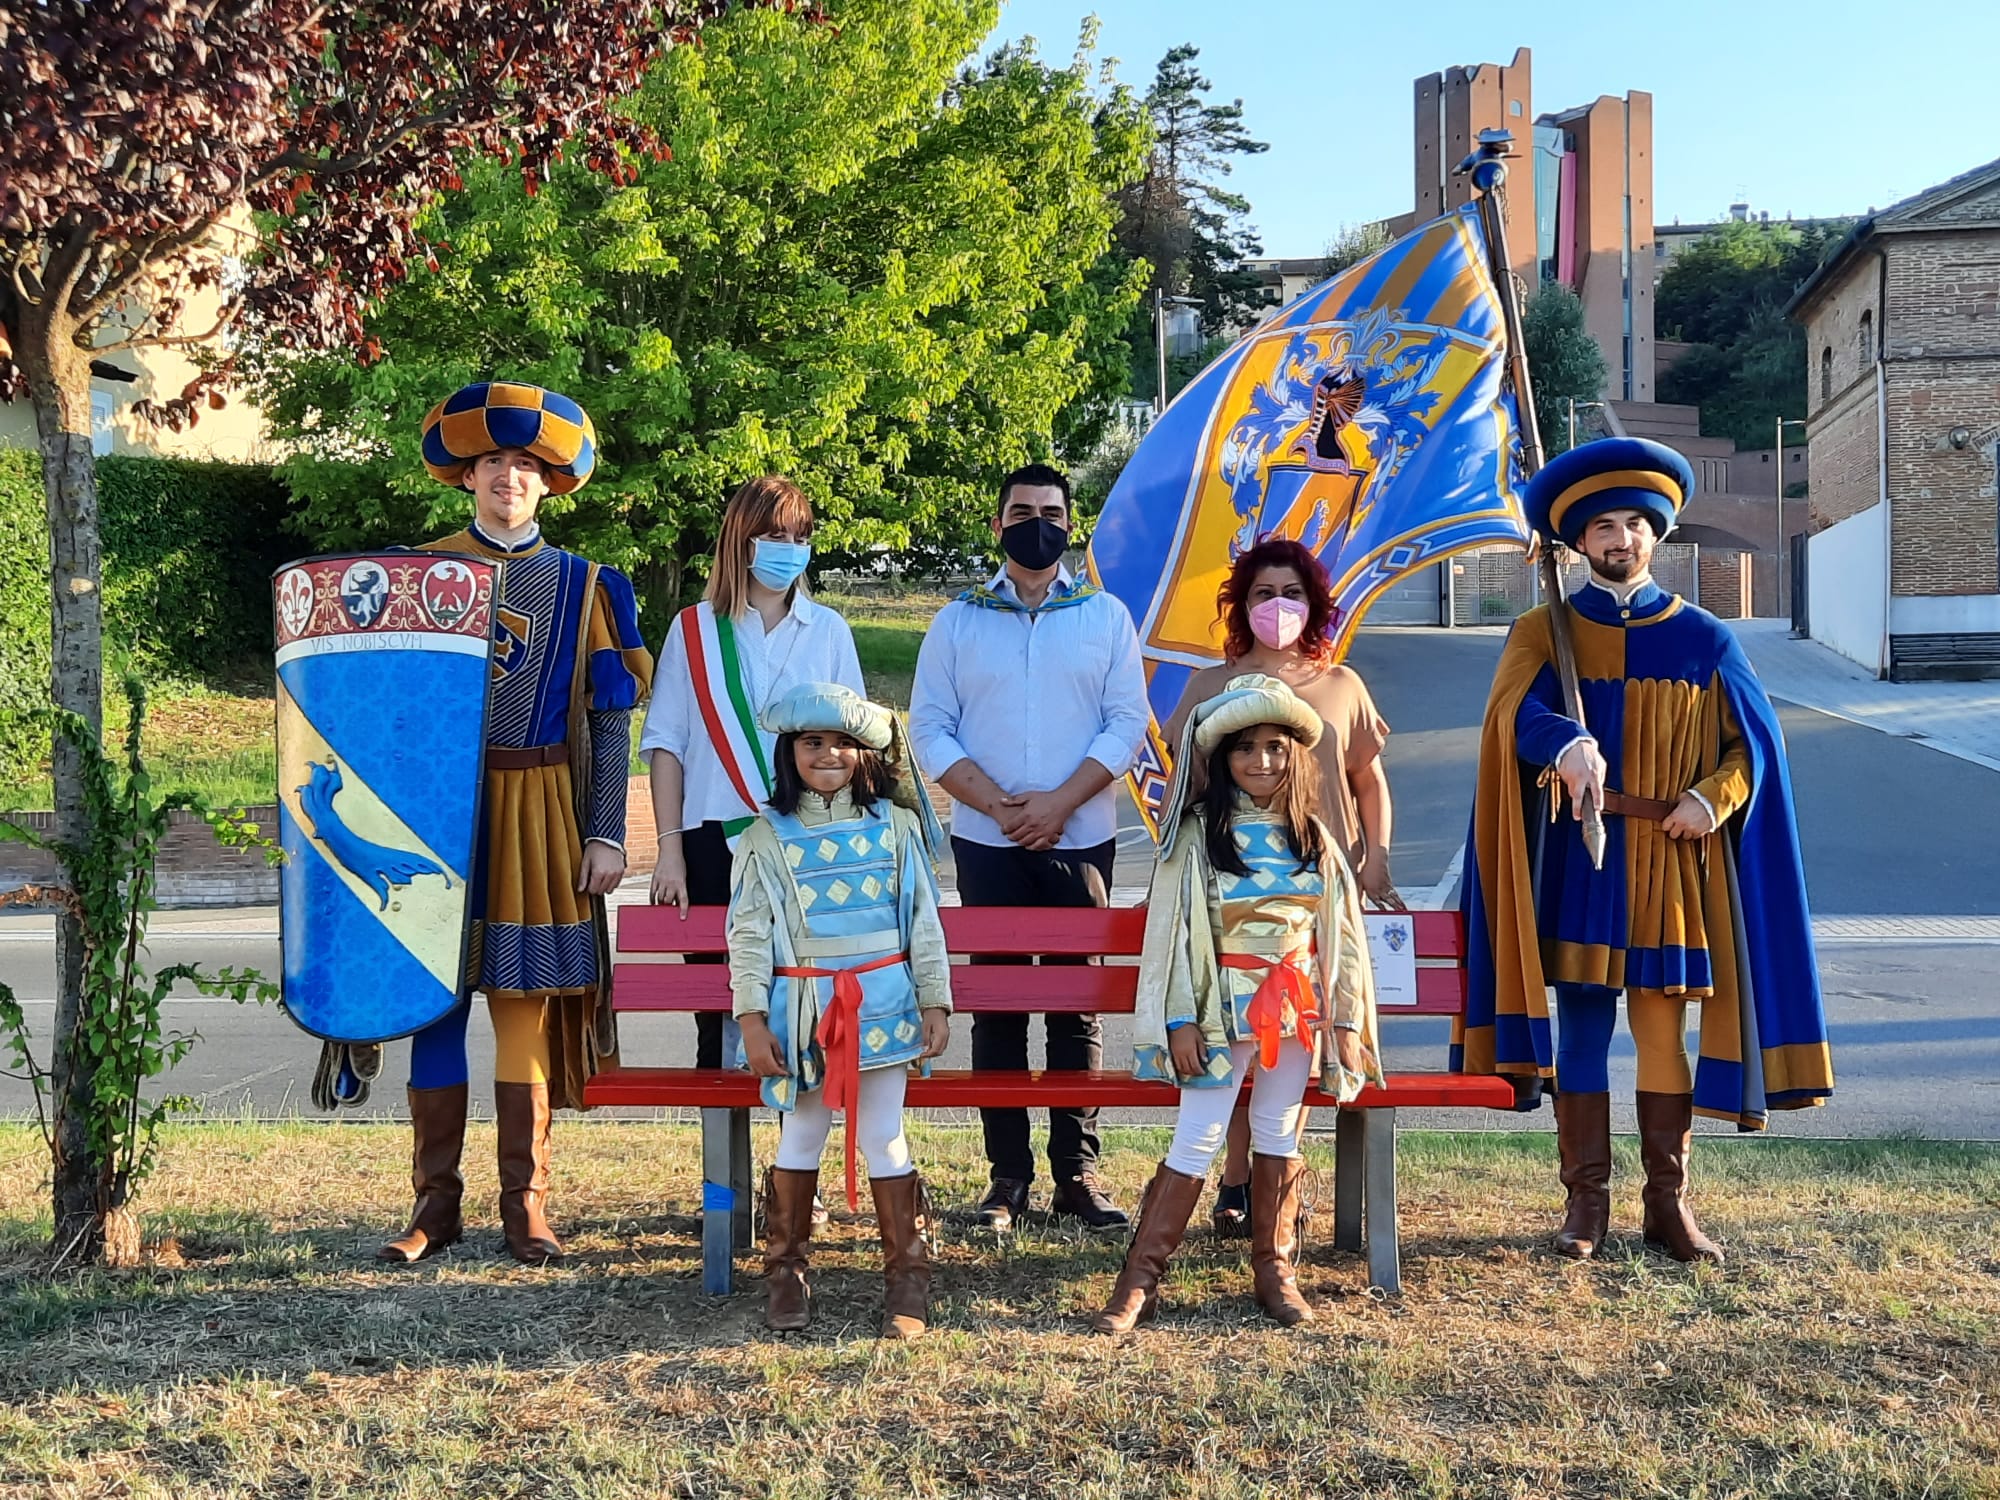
x: 1299, y: 803
x: 874, y: 778
x: 770, y: 502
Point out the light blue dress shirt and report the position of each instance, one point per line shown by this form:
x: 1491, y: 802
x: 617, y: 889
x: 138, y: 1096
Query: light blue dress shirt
x: 1028, y: 697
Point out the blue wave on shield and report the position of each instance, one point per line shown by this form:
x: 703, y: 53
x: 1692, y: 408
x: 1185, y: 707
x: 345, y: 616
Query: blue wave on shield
x: 345, y: 939
x: 378, y: 709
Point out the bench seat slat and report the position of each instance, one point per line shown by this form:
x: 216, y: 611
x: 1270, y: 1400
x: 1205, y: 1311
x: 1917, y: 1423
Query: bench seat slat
x: 957, y: 1089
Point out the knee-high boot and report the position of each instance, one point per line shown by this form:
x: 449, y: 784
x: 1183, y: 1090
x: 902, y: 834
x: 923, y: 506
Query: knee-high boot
x: 437, y: 1121
x: 1666, y: 1138
x: 1277, y: 1195
x: 1583, y: 1140
x: 788, y: 1201
x: 906, y: 1261
x: 1163, y: 1220
x: 521, y: 1111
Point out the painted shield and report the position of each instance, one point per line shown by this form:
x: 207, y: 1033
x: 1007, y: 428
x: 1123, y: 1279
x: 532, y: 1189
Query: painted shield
x: 384, y: 664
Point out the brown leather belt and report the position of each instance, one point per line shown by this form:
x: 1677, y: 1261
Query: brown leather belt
x: 1618, y: 805
x: 501, y: 758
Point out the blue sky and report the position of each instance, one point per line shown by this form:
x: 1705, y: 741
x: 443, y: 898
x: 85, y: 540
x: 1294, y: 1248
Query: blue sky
x: 1808, y: 108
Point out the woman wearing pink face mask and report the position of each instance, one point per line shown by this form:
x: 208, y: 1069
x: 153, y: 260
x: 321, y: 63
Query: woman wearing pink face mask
x: 1276, y: 608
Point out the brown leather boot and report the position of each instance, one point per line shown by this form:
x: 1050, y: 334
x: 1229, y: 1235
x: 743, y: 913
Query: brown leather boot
x: 1666, y: 1138
x: 1583, y: 1140
x: 437, y: 1120
x: 1163, y: 1220
x: 1277, y: 1208
x: 788, y: 1201
x: 906, y: 1260
x: 521, y: 1111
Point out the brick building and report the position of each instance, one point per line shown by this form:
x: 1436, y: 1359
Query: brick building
x: 1903, y: 412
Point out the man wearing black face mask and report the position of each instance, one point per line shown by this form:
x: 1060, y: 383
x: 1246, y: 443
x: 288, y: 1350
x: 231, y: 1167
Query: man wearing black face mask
x: 1030, y: 703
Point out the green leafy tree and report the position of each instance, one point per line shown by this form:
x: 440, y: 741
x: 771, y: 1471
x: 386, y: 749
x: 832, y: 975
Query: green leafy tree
x: 1192, y: 233
x: 1564, y: 361
x: 1725, y: 295
x: 863, y: 265
x: 1354, y: 244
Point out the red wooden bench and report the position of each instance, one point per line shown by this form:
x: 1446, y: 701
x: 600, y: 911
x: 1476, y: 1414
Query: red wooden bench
x: 648, y: 975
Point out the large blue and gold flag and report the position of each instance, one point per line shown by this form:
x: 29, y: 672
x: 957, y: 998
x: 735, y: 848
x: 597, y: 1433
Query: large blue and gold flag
x: 1367, y: 419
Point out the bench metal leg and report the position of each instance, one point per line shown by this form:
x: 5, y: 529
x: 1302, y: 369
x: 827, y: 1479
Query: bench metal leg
x: 1349, y: 1134
x: 725, y: 1195
x: 1379, y: 1133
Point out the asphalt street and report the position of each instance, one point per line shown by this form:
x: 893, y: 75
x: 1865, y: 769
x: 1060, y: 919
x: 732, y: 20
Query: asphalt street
x: 1902, y: 847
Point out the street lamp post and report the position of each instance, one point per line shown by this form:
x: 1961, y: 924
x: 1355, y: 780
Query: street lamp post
x: 1573, y: 405
x: 1778, y: 462
x: 1161, y: 302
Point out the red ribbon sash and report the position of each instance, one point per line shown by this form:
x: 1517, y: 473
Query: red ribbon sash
x: 1285, y: 997
x: 839, y: 1034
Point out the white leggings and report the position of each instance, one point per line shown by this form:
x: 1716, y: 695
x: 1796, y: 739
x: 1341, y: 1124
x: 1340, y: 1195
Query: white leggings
x: 1275, y: 1109
x: 803, y: 1131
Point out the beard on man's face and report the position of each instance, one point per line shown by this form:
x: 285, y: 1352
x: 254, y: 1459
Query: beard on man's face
x: 1617, y: 567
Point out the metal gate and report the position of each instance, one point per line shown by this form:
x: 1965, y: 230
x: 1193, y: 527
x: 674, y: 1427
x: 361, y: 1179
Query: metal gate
x: 1492, y: 586
x: 1411, y: 600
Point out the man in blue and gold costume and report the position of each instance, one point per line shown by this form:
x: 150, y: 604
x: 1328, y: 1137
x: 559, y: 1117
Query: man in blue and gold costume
x: 1701, y: 898
x: 569, y: 666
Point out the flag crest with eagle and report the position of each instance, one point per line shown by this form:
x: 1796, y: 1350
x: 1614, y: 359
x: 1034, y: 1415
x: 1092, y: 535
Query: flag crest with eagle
x: 1367, y: 420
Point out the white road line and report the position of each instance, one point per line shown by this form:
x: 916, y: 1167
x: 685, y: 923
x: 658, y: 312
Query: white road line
x: 1435, y: 898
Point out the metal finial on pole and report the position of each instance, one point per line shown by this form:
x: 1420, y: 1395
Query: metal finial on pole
x: 1487, y: 167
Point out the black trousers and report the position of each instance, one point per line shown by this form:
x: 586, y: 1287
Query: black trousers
x: 1008, y: 875
x: 709, y: 863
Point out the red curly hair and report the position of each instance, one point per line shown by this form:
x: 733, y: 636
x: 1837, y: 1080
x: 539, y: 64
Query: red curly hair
x: 1232, y: 600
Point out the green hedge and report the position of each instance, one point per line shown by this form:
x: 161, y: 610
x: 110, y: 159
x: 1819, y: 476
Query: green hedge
x: 188, y: 553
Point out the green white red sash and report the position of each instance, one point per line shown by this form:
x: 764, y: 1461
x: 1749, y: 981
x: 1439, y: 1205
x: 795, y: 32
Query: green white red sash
x: 726, y: 711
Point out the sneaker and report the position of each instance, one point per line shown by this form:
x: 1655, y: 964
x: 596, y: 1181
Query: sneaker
x: 1081, y: 1198
x: 1005, y: 1202
x: 1231, y: 1215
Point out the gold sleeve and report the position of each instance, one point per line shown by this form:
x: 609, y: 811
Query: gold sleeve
x: 1728, y: 789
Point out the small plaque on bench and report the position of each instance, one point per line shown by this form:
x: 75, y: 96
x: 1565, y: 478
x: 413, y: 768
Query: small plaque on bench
x: 1392, y: 947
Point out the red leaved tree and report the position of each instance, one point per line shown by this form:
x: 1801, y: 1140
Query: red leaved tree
x: 273, y: 156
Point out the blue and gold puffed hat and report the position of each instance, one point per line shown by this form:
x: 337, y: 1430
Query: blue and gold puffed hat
x: 1616, y: 473
x: 499, y: 414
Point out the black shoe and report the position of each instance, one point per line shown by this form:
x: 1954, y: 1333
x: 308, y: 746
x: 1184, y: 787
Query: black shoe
x: 1005, y: 1202
x: 1231, y: 1215
x: 1081, y: 1198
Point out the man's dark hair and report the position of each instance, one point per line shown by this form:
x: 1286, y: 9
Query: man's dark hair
x: 1035, y: 476
x: 874, y: 779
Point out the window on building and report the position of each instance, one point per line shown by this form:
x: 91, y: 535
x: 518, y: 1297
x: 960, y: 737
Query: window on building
x: 1826, y: 373
x: 1867, y: 339
x: 102, y: 409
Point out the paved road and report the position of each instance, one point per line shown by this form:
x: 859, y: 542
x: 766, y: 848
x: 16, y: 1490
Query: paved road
x: 1892, y: 831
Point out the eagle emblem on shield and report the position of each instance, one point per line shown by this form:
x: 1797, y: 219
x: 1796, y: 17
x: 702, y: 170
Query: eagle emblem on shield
x: 384, y: 662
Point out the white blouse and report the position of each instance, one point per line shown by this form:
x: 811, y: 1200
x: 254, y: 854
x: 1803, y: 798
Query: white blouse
x: 810, y: 644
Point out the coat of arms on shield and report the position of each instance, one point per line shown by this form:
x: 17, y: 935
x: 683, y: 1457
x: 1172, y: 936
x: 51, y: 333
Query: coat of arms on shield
x: 384, y: 666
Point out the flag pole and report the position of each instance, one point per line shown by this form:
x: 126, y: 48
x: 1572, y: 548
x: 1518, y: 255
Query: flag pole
x: 1488, y: 169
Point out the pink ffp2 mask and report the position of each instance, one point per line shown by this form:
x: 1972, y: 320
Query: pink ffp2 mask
x: 1277, y: 623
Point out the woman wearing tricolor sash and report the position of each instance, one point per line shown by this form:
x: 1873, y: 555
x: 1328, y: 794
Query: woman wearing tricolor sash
x: 754, y: 636
x: 841, y: 980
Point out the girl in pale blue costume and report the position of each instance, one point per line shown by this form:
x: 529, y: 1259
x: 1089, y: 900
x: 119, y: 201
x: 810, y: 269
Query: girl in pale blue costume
x: 841, y: 979
x: 1255, y: 955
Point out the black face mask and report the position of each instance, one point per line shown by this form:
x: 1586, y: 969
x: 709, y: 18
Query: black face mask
x: 1034, y: 544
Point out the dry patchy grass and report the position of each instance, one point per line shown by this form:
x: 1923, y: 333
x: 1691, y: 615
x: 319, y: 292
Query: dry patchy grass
x: 1847, y: 1350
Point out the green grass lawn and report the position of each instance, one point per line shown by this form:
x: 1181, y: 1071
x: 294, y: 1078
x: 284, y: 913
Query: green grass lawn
x: 1851, y: 1347
x: 219, y: 743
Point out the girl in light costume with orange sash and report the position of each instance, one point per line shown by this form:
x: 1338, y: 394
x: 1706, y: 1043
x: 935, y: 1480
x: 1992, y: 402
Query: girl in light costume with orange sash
x: 841, y: 978
x: 1255, y: 953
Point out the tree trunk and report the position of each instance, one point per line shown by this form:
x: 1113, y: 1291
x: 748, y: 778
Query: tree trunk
x: 58, y: 375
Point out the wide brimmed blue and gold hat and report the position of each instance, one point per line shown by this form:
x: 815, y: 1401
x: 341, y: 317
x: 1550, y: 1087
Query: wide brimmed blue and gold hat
x: 492, y: 415
x: 1618, y: 473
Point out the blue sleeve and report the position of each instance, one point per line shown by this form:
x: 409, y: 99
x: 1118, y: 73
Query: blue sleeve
x: 1541, y: 729
x: 621, y: 668
x: 610, y: 768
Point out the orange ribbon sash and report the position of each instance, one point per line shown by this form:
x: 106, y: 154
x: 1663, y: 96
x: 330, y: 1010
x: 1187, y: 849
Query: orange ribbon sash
x: 839, y: 1034
x: 1285, y: 996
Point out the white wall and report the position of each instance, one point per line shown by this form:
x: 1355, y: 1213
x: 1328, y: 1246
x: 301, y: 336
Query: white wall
x: 1944, y: 614
x: 1846, y: 591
